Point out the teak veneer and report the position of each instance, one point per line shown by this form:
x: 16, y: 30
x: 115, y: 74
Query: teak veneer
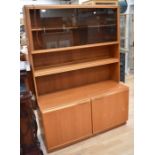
x: 70, y: 97
x: 74, y: 56
x: 73, y: 48
x: 66, y: 68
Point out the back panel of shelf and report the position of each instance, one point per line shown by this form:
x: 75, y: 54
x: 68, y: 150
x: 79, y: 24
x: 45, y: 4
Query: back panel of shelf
x: 54, y: 59
x: 67, y: 80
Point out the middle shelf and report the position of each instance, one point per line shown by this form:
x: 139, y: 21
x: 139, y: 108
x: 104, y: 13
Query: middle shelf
x: 71, y: 27
x: 71, y: 67
x: 61, y: 49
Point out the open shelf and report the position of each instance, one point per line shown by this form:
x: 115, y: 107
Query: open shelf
x: 73, y: 47
x: 74, y: 96
x: 46, y: 60
x: 66, y: 68
x: 70, y: 27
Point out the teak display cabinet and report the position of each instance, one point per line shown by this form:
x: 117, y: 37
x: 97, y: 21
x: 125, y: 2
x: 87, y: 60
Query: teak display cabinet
x: 74, y: 54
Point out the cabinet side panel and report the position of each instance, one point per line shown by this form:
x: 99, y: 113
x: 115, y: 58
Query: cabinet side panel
x: 27, y: 24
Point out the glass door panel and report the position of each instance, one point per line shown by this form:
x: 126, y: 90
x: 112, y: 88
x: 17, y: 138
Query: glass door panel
x: 54, y: 28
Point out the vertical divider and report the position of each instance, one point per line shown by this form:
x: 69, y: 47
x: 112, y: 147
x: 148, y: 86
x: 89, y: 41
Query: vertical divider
x: 118, y: 39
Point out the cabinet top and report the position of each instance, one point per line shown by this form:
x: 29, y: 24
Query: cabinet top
x: 67, y: 6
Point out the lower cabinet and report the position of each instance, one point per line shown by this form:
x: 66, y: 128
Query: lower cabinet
x: 110, y: 109
x: 68, y: 124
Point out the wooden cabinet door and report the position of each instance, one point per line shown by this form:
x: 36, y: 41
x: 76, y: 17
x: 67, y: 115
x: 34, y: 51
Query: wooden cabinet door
x: 68, y: 124
x: 109, y: 110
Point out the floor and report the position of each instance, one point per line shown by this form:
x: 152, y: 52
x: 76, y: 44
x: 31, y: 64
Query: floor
x: 118, y: 141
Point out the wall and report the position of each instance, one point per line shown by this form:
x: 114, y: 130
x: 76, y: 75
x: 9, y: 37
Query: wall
x: 36, y: 2
x: 80, y: 1
x: 130, y: 2
x: 29, y: 2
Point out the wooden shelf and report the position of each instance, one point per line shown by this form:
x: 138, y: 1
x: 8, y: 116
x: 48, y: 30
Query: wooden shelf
x: 66, y: 68
x: 68, y: 6
x: 71, y: 27
x: 73, y: 47
x: 74, y: 96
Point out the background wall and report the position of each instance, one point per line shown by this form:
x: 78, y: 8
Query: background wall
x: 37, y: 2
x: 29, y: 2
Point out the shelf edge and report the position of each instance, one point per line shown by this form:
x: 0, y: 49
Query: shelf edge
x: 73, y: 48
x: 73, y: 67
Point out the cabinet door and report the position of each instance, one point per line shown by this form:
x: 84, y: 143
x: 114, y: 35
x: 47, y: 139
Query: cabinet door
x: 67, y: 125
x: 109, y: 110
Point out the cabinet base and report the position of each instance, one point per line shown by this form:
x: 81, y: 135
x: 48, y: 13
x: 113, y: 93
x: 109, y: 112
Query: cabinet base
x: 82, y: 139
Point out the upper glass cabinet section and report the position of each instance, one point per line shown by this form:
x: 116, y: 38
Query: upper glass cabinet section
x: 55, y: 28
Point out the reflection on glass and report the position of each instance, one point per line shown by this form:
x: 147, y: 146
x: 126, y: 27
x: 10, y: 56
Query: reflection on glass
x: 54, y: 28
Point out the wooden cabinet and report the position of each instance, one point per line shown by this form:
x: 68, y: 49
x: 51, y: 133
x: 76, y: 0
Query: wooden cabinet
x: 110, y: 109
x: 74, y: 53
x: 67, y: 124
